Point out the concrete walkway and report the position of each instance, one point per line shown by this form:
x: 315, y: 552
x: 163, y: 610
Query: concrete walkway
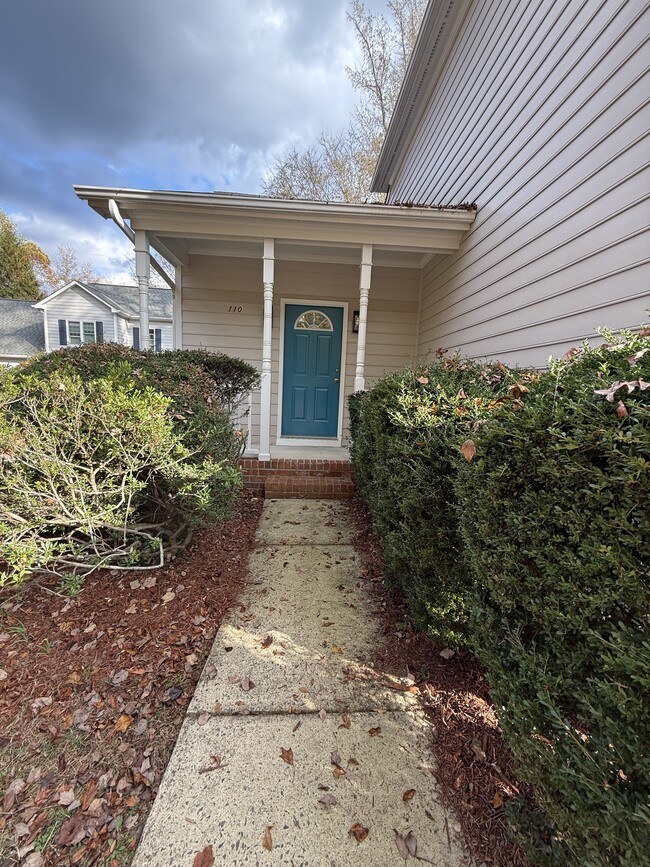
x: 289, y: 675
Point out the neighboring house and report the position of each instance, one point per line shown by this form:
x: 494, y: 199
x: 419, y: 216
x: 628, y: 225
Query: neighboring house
x: 21, y: 331
x: 535, y: 112
x: 102, y: 313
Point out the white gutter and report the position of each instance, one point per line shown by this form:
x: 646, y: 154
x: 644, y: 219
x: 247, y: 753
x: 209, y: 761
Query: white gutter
x: 118, y: 219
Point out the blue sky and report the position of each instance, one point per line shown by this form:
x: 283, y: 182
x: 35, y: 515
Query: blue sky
x: 157, y: 94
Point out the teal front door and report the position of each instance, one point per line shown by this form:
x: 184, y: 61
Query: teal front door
x: 312, y: 370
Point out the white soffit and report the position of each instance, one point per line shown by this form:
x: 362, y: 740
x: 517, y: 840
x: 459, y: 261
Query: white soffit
x: 193, y: 218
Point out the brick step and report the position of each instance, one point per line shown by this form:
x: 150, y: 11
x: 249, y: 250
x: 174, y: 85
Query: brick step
x: 308, y: 487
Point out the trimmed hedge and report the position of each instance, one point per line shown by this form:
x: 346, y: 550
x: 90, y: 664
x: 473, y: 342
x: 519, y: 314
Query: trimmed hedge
x: 555, y: 516
x: 514, y: 512
x: 110, y: 456
x: 406, y: 434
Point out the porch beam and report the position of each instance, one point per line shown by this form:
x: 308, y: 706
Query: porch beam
x: 364, y: 294
x: 143, y: 273
x: 268, y: 271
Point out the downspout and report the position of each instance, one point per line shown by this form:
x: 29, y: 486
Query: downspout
x: 118, y: 219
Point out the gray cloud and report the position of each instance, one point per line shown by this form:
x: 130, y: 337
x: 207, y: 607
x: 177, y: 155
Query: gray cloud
x: 194, y: 94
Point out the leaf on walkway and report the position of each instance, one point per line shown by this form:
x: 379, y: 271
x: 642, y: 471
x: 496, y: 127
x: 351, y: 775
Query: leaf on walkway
x: 267, y: 642
x: 338, y: 771
x: 286, y: 755
x: 328, y: 800
x: 203, y: 718
x: 375, y: 731
x: 335, y: 758
x: 247, y: 684
x: 359, y: 832
x: 412, y: 843
x: 205, y: 858
x: 347, y: 721
x: 400, y: 842
x: 336, y: 649
x: 322, y: 713
x: 267, y: 840
x: 408, y: 795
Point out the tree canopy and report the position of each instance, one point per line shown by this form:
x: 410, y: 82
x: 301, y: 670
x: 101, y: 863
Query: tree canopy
x: 339, y: 165
x: 63, y: 269
x: 19, y: 261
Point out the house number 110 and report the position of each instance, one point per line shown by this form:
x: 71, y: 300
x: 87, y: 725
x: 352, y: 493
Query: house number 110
x: 235, y: 309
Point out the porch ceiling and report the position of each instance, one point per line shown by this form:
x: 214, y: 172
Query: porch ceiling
x: 235, y: 225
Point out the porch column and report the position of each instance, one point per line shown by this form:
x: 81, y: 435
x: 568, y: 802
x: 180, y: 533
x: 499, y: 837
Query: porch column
x: 178, y: 307
x: 364, y: 293
x: 143, y: 273
x: 265, y: 390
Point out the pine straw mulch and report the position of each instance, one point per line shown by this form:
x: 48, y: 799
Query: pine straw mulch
x: 474, y: 768
x: 93, y: 690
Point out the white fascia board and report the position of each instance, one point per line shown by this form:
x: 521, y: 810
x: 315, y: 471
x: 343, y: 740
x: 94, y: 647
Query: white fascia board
x: 77, y: 285
x: 442, y: 22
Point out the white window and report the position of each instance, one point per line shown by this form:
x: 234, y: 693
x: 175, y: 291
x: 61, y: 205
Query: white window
x: 84, y: 332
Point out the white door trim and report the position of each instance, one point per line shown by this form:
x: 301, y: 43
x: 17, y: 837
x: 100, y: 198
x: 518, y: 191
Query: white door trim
x: 334, y: 442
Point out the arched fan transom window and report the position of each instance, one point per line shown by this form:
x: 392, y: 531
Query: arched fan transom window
x: 314, y: 320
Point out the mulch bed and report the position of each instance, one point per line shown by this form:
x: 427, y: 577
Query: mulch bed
x: 93, y: 690
x: 474, y: 768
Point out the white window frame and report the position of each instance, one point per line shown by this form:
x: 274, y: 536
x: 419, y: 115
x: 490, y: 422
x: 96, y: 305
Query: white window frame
x: 80, y: 323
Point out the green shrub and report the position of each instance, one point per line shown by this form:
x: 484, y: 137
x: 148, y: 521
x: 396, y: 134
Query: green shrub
x: 406, y: 434
x: 555, y: 515
x: 111, y: 456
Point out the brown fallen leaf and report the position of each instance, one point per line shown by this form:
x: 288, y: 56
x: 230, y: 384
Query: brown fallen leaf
x: 267, y: 840
x: 72, y: 831
x: 335, y: 758
x: 375, y: 731
x: 267, y: 642
x: 338, y: 771
x: 497, y: 800
x: 286, y: 755
x: 247, y: 684
x: 468, y: 450
x: 408, y: 795
x: 402, y: 687
x: 123, y: 722
x: 204, y: 858
x: 216, y: 765
x: 447, y: 653
x: 203, y: 718
x: 359, y: 832
x: 347, y: 721
x: 336, y: 649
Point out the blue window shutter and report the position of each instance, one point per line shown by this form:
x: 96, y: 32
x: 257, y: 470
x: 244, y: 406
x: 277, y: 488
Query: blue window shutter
x: 136, y: 337
x: 99, y: 326
x: 63, y: 333
x: 158, y: 339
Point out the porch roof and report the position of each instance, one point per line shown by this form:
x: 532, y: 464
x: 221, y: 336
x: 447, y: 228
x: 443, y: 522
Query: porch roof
x: 185, y: 223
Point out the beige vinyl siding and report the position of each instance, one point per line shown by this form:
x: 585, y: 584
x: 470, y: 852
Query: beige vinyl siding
x: 77, y: 306
x: 214, y: 284
x: 541, y: 118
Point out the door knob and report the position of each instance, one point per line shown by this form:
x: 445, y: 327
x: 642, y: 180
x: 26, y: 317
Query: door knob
x: 336, y: 380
